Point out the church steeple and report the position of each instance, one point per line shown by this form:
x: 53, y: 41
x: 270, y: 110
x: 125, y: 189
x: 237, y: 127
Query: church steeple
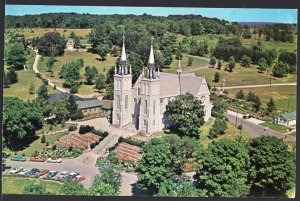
x: 123, y: 67
x: 123, y: 57
x: 151, y: 74
x: 179, y: 69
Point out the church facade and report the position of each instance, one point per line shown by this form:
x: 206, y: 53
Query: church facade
x: 143, y: 106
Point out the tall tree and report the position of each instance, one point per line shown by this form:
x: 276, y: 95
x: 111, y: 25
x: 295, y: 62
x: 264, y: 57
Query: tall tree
x: 186, y: 114
x: 72, y: 108
x: 50, y: 63
x: 246, y: 61
x: 262, y: 63
x: 16, y: 56
x: 231, y: 63
x: 91, y: 73
x: 274, y: 166
x: 136, y: 66
x: 271, y: 107
x: 12, y: 76
x: 225, y: 167
x: 43, y: 92
x: 280, y: 69
x: 60, y: 110
x: 103, y: 50
x: 100, y: 82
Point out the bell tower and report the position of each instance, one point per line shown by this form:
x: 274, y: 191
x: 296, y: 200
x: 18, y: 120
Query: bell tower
x: 122, y: 92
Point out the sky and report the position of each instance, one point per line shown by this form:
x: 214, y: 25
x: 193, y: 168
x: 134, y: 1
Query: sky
x: 229, y: 14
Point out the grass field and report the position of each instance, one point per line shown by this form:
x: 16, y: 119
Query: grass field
x: 231, y: 133
x: 212, y: 40
x: 276, y: 127
x: 242, y: 76
x: 38, y: 32
x: 197, y: 62
x: 25, y: 78
x: 283, y: 96
x: 37, y: 145
x: 14, y: 185
x: 89, y: 60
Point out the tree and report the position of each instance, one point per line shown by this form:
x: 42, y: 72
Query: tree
x: 51, y: 44
x: 190, y: 61
x: 72, y: 108
x: 70, y: 72
x: 225, y: 167
x: 186, y: 114
x: 246, y: 61
x: 219, y: 64
x: 178, y: 188
x: 274, y: 166
x: 218, y: 128
x: 35, y: 189
x: 231, y: 63
x: 6, y: 81
x: 72, y: 188
x: 163, y: 158
x: 219, y: 107
x: 256, y: 104
x: 43, y: 92
x: 271, y: 108
x: 100, y: 82
x: 102, y: 50
x: 60, y: 110
x: 280, y: 69
x: 31, y: 89
x: 262, y: 63
x: 102, y: 189
x: 217, y: 76
x: 167, y: 55
x: 50, y: 63
x: 90, y: 73
x: 43, y: 139
x: 20, y: 120
x: 136, y: 66
x: 12, y: 76
x: 212, y: 61
x: 240, y: 95
x: 16, y: 56
x: 251, y: 96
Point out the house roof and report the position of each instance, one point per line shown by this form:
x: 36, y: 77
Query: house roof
x: 57, y: 96
x: 92, y: 103
x: 287, y: 116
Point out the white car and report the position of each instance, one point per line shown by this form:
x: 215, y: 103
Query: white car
x: 51, y: 160
x: 23, y: 172
x: 16, y: 170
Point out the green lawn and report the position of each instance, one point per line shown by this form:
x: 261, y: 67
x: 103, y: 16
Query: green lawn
x: 25, y: 78
x: 283, y: 96
x: 37, y: 145
x: 197, y: 62
x: 242, y: 76
x: 14, y: 185
x: 89, y: 60
x: 276, y: 127
x: 231, y: 133
x: 38, y: 32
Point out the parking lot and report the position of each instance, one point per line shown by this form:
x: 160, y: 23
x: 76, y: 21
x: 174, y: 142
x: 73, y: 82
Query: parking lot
x: 69, y: 165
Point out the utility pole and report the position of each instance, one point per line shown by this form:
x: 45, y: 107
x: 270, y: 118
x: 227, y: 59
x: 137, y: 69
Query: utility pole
x: 236, y: 118
x: 288, y: 107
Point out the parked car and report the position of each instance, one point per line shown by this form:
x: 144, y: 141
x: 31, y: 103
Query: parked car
x: 18, y: 158
x: 78, y: 178
x: 42, y: 172
x: 62, y: 175
x: 37, y: 159
x: 51, y: 174
x: 23, y: 172
x: 16, y: 170
x: 51, y: 160
x: 32, y: 172
x: 72, y: 175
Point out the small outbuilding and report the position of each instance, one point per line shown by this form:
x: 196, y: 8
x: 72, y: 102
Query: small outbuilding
x: 288, y: 119
x: 94, y: 108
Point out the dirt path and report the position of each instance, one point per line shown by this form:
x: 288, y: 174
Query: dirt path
x: 259, y: 85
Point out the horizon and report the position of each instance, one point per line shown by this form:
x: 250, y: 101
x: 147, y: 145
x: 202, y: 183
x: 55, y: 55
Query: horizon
x: 288, y: 16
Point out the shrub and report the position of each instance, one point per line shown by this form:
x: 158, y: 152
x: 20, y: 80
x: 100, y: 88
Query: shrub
x: 86, y: 129
x: 73, y: 127
x: 43, y: 139
x: 54, y: 87
x: 47, y: 143
x: 131, y: 141
x: 51, y: 127
x: 54, y: 147
x: 45, y: 81
x: 63, y: 124
x: 100, y: 133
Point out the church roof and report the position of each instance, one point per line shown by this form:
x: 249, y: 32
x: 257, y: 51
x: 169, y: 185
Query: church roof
x: 171, y: 86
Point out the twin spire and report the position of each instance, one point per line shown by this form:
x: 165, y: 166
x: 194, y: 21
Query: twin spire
x: 123, y: 67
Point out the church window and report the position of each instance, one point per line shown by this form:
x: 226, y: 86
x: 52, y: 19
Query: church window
x: 169, y: 99
x: 154, y: 106
x: 139, y: 91
x: 161, y: 101
x: 146, y: 107
x: 118, y: 102
x: 145, y: 122
x: 126, y: 102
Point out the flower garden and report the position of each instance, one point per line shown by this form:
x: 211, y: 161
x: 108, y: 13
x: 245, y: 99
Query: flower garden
x: 78, y: 140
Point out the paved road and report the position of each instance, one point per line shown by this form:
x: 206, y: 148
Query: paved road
x: 258, y: 85
x: 254, y: 129
x: 69, y: 165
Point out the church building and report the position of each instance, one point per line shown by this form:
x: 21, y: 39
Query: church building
x: 143, y: 106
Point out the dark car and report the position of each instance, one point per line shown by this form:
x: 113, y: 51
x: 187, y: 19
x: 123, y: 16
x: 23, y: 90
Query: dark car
x: 51, y: 174
x: 71, y: 175
x: 33, y: 171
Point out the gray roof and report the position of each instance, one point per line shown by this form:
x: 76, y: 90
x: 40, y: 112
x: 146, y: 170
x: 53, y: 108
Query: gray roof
x: 92, y: 103
x: 287, y: 116
x: 171, y: 86
x: 57, y: 96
